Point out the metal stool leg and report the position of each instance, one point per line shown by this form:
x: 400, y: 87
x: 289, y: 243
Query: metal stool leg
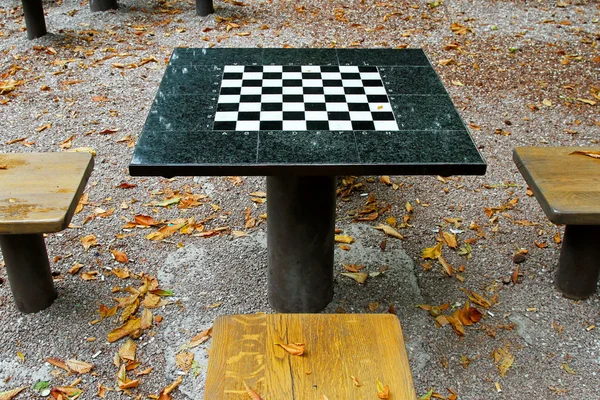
x: 34, y: 18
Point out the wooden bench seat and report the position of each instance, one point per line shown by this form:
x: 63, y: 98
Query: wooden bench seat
x: 567, y: 186
x: 369, y: 347
x: 38, y: 194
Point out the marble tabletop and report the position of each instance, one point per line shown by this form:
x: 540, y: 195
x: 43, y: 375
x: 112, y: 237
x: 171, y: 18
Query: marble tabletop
x: 329, y: 112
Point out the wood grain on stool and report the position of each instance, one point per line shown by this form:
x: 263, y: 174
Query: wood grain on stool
x: 39, y: 191
x: 338, y: 346
x: 566, y: 186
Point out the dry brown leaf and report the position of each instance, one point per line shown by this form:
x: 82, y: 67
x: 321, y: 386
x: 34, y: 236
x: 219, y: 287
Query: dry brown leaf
x: 124, y: 330
x: 146, y: 321
x: 121, y: 257
x: 593, y: 154
x: 477, y: 298
x: 122, y: 273
x: 253, y: 395
x: 145, y: 220
x: 127, y: 351
x: 81, y: 367
x: 75, y: 268
x: 388, y: 230
x: 57, y: 362
x: 408, y: 207
x: 144, y: 372
x: 89, y: 241
x: 200, y: 338
x: 295, y: 349
x: 450, y: 239
x: 446, y: 268
x: 386, y: 179
x: 102, y: 390
x: 106, y: 312
x: 89, y: 276
x: 165, y: 393
x: 184, y: 360
x: 124, y: 381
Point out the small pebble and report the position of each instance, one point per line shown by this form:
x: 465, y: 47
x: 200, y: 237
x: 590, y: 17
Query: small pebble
x: 519, y: 258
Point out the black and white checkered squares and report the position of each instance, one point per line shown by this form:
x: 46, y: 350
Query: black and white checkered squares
x: 275, y: 97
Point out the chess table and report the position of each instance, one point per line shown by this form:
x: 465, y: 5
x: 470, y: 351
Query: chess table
x: 301, y: 117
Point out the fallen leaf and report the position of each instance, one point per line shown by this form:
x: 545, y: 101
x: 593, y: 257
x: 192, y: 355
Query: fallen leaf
x: 146, y: 321
x: 253, y: 395
x: 89, y: 241
x: 408, y: 207
x: 126, y: 329
x: 388, y: 230
x: 200, y: 338
x: 184, y: 360
x: 295, y: 349
x: 121, y: 273
x: 503, y: 359
x: 75, y: 268
x: 164, y: 394
x: 57, y: 362
x: 359, y: 277
x: 81, y: 367
x: 383, y: 392
x: 120, y: 256
x: 145, y: 220
x: 568, y: 369
x: 123, y: 381
x: 426, y: 396
x: 89, y: 276
x: 447, y: 268
x: 593, y: 154
x: 477, y: 298
x: 343, y: 239
x: 386, y: 179
x: 450, y: 239
x: 127, y: 351
x: 9, y: 394
x: 432, y: 252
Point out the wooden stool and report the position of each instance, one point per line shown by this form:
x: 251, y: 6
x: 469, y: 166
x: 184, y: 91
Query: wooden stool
x: 337, y: 347
x: 567, y: 186
x: 38, y: 194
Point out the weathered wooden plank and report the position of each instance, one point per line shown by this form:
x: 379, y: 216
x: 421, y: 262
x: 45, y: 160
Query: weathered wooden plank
x: 338, y: 346
x: 566, y: 186
x: 39, y: 191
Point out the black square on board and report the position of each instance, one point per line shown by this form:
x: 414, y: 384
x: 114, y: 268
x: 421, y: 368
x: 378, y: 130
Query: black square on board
x: 332, y: 82
x: 272, y: 90
x: 228, y: 106
x: 292, y: 68
x: 354, y: 90
x: 249, y: 116
x: 317, y: 125
x: 231, y: 90
x: 271, y: 125
x: 358, y: 107
x: 377, y: 98
x: 292, y: 82
x: 338, y: 116
x: 224, y: 126
x: 250, y: 98
x: 315, y: 107
x: 335, y: 98
x: 372, y: 82
x: 253, y: 68
x: 252, y: 83
x: 330, y: 68
x: 313, y: 90
x: 293, y: 115
x: 363, y: 125
x: 271, y: 106
x: 233, y: 75
x: 272, y: 75
x: 382, y: 116
x: 293, y: 98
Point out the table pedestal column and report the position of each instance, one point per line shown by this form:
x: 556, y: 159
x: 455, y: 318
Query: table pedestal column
x: 34, y: 18
x: 103, y: 5
x: 300, y: 236
x: 204, y: 7
x: 28, y: 271
x: 579, y: 262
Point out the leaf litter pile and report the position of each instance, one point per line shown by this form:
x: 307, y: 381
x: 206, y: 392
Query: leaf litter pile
x: 520, y: 73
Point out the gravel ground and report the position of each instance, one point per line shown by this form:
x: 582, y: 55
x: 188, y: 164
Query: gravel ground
x: 514, y: 69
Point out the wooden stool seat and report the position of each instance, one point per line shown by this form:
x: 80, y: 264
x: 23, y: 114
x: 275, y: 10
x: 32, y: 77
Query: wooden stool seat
x: 38, y: 194
x: 369, y: 347
x: 567, y: 186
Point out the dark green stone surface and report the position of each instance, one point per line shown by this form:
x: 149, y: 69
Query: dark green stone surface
x: 178, y: 139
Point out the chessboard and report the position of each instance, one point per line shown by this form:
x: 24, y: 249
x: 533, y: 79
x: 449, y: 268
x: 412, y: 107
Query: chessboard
x: 303, y: 98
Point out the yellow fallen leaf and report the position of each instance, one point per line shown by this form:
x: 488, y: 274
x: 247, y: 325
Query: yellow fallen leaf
x: 146, y: 321
x: 547, y: 103
x: 295, y: 349
x: 253, y: 395
x: 503, y: 359
x: 83, y: 150
x: 386, y: 179
x: 89, y: 241
x: 343, y: 239
x: 89, y: 276
x: 408, y: 207
x: 450, y: 239
x: 432, y: 252
x: 388, y: 230
x: 359, y: 277
x: 383, y: 392
x: 75, y: 268
x: 164, y: 394
x: 127, y: 351
x: 200, y: 338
